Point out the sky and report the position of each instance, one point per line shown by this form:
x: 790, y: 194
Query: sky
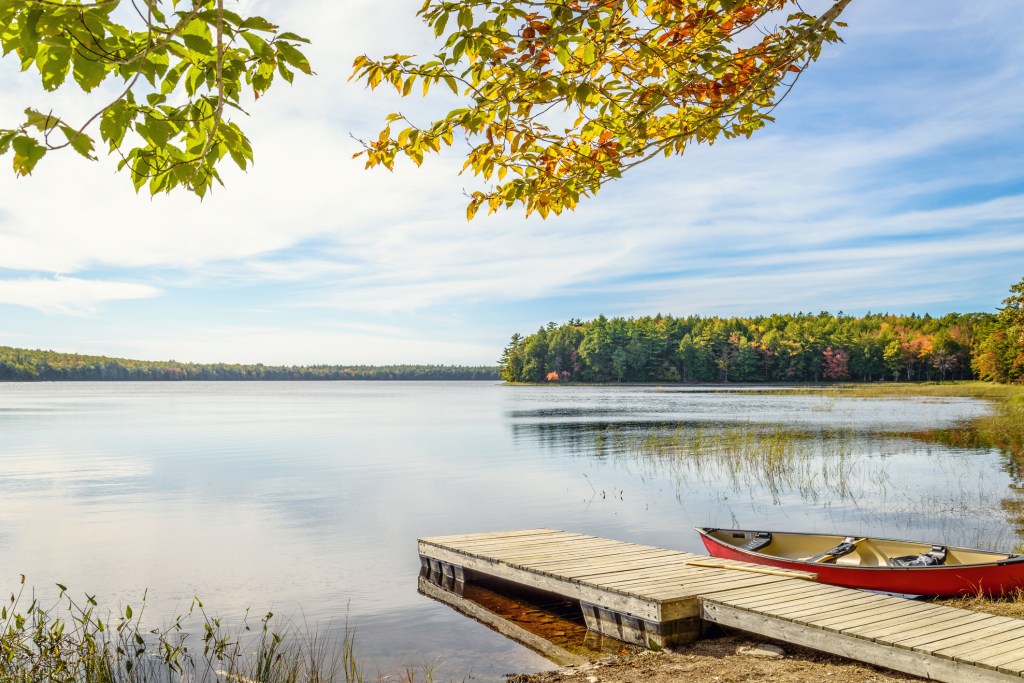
x: 893, y: 180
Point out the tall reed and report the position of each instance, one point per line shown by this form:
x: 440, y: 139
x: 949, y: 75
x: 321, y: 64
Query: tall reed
x: 774, y: 458
x: 71, y: 641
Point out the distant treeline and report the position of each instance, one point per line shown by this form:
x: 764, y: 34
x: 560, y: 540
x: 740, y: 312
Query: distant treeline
x: 776, y: 348
x: 26, y: 365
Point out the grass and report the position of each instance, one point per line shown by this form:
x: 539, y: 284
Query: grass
x: 70, y: 641
x: 973, y: 389
x: 1010, y: 605
x: 778, y: 459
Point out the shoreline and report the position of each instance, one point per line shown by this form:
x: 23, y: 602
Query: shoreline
x: 731, y: 657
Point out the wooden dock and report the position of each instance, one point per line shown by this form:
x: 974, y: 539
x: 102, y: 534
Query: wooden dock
x: 654, y: 597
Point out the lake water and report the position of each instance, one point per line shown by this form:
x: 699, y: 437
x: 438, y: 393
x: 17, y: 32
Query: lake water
x: 308, y: 498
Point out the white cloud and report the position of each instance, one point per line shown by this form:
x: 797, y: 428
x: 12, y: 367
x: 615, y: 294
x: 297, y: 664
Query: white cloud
x: 69, y: 295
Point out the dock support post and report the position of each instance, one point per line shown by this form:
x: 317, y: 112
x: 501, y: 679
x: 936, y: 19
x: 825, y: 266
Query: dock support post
x: 638, y: 631
x: 450, y: 577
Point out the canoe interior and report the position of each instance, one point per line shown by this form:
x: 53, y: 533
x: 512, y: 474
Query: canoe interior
x: 871, y: 552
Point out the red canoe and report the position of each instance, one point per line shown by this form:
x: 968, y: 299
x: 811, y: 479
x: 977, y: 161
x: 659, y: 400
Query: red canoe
x: 877, y: 564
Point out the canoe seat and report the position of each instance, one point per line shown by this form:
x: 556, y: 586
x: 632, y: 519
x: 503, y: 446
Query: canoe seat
x: 759, y: 541
x: 848, y: 545
x: 933, y: 558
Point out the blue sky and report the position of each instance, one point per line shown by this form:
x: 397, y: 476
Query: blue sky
x: 893, y: 180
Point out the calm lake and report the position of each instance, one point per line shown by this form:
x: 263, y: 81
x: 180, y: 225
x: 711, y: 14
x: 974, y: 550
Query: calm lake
x: 308, y: 498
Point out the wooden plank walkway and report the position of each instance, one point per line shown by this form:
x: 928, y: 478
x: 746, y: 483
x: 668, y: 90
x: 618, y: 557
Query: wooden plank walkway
x: 653, y: 596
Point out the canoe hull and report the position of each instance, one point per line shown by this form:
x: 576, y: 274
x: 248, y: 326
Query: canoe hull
x: 996, y: 578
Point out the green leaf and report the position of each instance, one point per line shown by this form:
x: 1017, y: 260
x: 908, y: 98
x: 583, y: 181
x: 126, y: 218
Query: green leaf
x: 80, y: 142
x: 293, y: 37
x: 88, y: 71
x: 259, y: 47
x: 29, y: 36
x: 170, y: 81
x: 286, y: 73
x: 27, y: 153
x: 294, y: 57
x: 199, y: 44
x: 114, y: 123
x: 210, y: 17
x: 155, y: 131
x: 38, y: 120
x: 263, y: 77
x: 195, y: 76
x: 53, y: 61
x: 258, y: 24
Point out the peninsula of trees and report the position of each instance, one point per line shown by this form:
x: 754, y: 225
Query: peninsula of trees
x: 778, y: 348
x: 27, y: 365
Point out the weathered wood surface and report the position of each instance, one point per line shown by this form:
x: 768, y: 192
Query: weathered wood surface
x: 620, y: 583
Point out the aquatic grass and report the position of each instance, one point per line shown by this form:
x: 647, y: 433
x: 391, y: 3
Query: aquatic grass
x: 73, y: 641
x: 776, y: 459
x: 967, y: 389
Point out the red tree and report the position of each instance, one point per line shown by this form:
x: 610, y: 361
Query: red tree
x: 837, y: 364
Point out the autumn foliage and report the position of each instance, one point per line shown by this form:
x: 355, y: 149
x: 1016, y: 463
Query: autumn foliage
x: 562, y: 96
x: 1000, y: 354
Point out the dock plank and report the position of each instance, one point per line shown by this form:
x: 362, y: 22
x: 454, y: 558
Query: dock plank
x: 935, y: 618
x: 671, y: 590
x: 975, y: 625
x: 985, y: 651
x: 821, y: 605
x: 810, y: 588
x: 941, y: 644
x: 969, y: 649
x: 1001, y: 655
x: 820, y: 588
x: 865, y: 614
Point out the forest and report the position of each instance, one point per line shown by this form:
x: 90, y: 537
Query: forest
x: 27, y: 365
x: 802, y: 347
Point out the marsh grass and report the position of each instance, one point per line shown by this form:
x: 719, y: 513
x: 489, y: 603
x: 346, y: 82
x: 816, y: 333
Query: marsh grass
x: 980, y: 390
x: 73, y: 641
x: 774, y: 458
